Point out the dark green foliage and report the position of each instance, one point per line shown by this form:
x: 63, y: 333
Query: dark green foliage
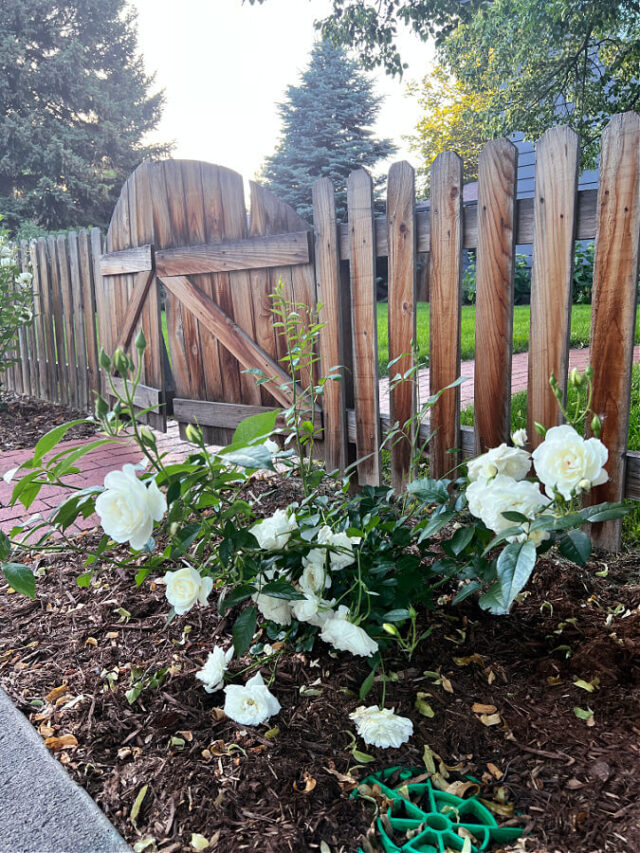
x: 326, y: 131
x: 74, y: 105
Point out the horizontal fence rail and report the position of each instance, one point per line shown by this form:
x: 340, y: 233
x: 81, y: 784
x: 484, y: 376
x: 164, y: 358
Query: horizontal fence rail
x: 58, y: 354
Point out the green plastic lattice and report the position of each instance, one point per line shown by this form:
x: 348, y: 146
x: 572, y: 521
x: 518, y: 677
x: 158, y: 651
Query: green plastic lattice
x: 433, y: 818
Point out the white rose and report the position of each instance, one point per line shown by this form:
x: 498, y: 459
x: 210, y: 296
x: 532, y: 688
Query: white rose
x: 343, y: 557
x: 489, y: 500
x: 185, y: 587
x: 278, y: 610
x: 274, y: 532
x: 382, y: 727
x: 511, y: 461
x: 347, y: 637
x: 212, y: 673
x: 6, y: 262
x: 315, y: 577
x: 519, y: 437
x: 24, y: 279
x: 127, y: 508
x: 252, y: 704
x: 564, y: 459
x: 313, y: 609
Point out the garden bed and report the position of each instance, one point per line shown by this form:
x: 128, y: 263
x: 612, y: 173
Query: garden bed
x: 24, y: 420
x: 68, y: 658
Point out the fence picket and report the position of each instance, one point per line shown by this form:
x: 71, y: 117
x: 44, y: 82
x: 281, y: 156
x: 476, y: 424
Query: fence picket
x: 78, y: 322
x: 331, y: 338
x: 557, y: 158
x: 445, y: 282
x: 61, y: 366
x: 29, y: 333
x: 365, y: 325
x: 402, y: 315
x: 615, y: 281
x: 68, y: 311
x: 497, y: 176
x: 46, y: 315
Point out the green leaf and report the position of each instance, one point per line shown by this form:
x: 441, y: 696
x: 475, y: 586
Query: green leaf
x: 513, y: 569
x: 367, y: 684
x: 141, y: 575
x: 243, y: 630
x: 399, y: 615
x: 236, y: 596
x: 248, y: 457
x: 84, y: 579
x: 254, y: 427
x: 49, y: 441
x: 467, y: 590
x: 435, y: 524
x: 282, y: 589
x: 518, y: 517
x: 427, y: 489
x: 461, y: 539
x: 575, y: 545
x: 5, y: 546
x: 20, y: 578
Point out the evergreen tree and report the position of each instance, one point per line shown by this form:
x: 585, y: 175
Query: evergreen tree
x: 74, y: 105
x: 326, y: 130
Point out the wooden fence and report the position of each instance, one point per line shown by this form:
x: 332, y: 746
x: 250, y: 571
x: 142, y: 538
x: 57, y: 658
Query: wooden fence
x: 58, y: 352
x: 176, y: 233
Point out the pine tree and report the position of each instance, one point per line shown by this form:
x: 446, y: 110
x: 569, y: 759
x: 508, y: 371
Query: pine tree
x: 74, y: 105
x: 326, y: 132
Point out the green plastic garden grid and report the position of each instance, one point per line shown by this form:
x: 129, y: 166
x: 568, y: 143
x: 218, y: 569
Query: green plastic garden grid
x: 434, y: 817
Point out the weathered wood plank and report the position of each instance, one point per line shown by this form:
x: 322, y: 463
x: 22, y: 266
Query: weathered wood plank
x: 46, y: 314
x: 235, y: 290
x: 364, y: 324
x: 144, y: 396
x: 125, y: 261
x: 331, y: 339
x: 228, y: 416
x: 557, y: 158
x: 90, y: 251
x: 495, y: 264
x: 134, y: 309
x: 82, y: 368
x: 402, y: 316
x: 68, y: 310
x: 632, y: 477
x: 275, y: 250
x: 230, y: 335
x: 40, y: 353
x: 615, y: 278
x: 62, y: 368
x: 24, y: 333
x: 524, y: 224
x: 446, y: 300
x: 155, y: 364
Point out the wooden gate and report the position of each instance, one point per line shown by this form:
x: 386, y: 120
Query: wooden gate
x: 183, y: 224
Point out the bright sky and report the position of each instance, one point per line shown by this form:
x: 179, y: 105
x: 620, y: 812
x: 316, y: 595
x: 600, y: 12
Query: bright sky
x: 224, y: 66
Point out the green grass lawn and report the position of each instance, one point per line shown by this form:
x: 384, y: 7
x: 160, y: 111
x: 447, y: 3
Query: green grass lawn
x: 580, y: 324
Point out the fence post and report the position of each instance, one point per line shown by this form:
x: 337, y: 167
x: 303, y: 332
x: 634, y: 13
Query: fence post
x: 615, y: 283
x: 364, y: 324
x: 557, y: 156
x: 495, y: 264
x: 401, y: 225
x: 327, y: 259
x: 446, y: 300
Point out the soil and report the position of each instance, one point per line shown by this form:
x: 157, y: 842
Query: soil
x: 24, y: 420
x: 573, y: 784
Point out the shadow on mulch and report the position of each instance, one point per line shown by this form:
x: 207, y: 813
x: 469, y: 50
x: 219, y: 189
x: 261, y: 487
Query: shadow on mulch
x: 575, y: 786
x: 24, y: 420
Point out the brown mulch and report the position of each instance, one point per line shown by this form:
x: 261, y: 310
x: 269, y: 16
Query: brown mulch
x: 575, y: 787
x: 24, y: 420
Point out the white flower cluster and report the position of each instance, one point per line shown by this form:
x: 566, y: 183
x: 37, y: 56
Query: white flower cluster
x: 334, y: 552
x: 565, y: 464
x: 127, y: 508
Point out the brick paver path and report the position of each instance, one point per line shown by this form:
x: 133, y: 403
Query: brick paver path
x: 95, y: 466
x: 99, y: 462
x: 519, y: 367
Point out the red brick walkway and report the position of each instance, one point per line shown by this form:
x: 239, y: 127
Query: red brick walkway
x: 96, y: 465
x: 519, y: 366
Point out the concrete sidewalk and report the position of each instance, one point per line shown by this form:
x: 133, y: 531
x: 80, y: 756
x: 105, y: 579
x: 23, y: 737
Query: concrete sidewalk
x: 42, y: 810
